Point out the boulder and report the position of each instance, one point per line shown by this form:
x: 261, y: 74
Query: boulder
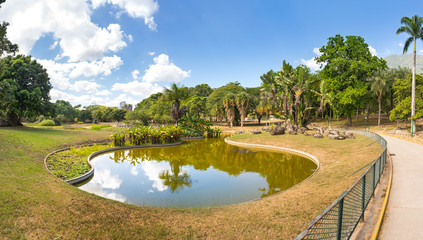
x: 277, y: 131
x: 333, y: 132
x: 292, y: 132
x: 333, y: 137
x: 255, y: 131
x: 302, y: 130
x: 341, y: 137
x: 349, y: 135
x: 240, y: 131
x: 307, y: 134
x: 317, y: 135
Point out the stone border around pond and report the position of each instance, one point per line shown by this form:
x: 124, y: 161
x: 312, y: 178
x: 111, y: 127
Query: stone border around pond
x: 91, y: 172
x: 283, y: 149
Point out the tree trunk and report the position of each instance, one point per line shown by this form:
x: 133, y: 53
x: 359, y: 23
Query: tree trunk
x: 413, y: 91
x: 380, y: 109
x: 13, y: 119
x: 349, y: 118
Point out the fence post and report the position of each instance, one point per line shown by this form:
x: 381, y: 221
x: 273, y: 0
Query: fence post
x: 380, y: 167
x: 340, y: 212
x: 374, y: 180
x: 363, y: 198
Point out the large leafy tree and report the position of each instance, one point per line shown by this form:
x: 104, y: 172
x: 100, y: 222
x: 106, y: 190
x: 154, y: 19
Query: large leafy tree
x: 62, y: 107
x: 348, y: 63
x: 414, y: 27
x: 402, y: 93
x: 25, y: 88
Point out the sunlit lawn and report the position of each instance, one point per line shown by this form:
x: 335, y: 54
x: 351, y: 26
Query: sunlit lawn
x: 35, y: 204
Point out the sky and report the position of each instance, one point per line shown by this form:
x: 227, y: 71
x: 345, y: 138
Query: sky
x: 108, y: 51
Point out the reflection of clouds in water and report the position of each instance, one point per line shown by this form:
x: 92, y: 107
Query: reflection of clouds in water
x: 134, y: 171
x: 98, y: 190
x: 105, y: 179
x: 152, y: 170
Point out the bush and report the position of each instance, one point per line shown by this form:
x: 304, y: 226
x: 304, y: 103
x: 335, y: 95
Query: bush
x: 47, y: 123
x: 100, y: 127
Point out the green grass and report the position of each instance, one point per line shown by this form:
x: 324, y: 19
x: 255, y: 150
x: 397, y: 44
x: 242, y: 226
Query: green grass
x: 98, y: 127
x: 72, y: 163
x: 36, y: 205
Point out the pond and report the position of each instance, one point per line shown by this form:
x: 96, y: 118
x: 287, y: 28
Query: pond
x: 197, y: 173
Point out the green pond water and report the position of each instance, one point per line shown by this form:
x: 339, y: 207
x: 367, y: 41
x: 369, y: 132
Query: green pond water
x: 195, y: 174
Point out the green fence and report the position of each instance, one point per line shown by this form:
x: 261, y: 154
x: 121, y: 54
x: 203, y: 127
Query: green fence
x: 339, y: 220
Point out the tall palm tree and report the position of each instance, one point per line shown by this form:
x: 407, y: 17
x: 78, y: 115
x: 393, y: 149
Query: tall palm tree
x: 414, y: 27
x: 379, y: 86
x: 242, y: 101
x: 230, y: 105
x: 175, y: 94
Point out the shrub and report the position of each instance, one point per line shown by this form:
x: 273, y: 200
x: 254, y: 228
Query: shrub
x: 98, y: 127
x: 47, y: 123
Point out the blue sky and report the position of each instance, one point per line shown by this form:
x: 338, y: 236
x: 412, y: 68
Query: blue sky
x: 107, y: 51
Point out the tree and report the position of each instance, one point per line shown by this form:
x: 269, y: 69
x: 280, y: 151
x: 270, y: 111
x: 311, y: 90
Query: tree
x: 64, y: 108
x: 230, y: 105
x: 402, y: 92
x: 348, y: 63
x: 214, y: 101
x: 414, y: 27
x: 25, y: 89
x: 6, y: 47
x: 202, y: 90
x: 118, y: 114
x: 176, y: 94
x: 379, y: 86
x: 196, y: 105
x: 242, y: 101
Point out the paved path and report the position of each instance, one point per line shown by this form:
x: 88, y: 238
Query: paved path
x: 404, y: 219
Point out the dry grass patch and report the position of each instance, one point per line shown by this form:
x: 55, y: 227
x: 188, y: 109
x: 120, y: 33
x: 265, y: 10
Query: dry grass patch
x: 35, y: 204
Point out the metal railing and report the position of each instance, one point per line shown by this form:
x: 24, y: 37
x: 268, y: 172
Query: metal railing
x: 339, y: 220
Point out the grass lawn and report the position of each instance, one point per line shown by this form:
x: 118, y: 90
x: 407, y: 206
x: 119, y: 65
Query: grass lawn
x: 35, y: 204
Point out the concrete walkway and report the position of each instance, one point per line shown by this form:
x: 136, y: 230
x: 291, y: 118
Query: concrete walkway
x: 404, y: 217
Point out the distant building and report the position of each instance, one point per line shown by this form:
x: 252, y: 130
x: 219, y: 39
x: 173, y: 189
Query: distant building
x: 127, y: 107
x: 122, y: 104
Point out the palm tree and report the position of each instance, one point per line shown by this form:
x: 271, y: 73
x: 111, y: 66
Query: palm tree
x: 176, y: 94
x: 414, y: 27
x: 379, y: 86
x: 242, y: 101
x: 230, y: 105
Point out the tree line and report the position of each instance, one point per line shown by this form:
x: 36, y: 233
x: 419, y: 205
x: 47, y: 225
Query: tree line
x: 351, y: 81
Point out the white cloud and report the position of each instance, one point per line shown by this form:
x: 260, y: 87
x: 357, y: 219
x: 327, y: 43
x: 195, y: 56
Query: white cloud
x: 161, y: 71
x: 134, y: 8
x: 89, y: 99
x: 138, y: 88
x: 312, y: 64
x: 401, y: 44
x: 135, y: 74
x: 54, y: 45
x: 317, y: 52
x: 372, y: 51
x: 164, y: 71
x: 151, y: 53
x: 68, y: 21
x: 61, y: 74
